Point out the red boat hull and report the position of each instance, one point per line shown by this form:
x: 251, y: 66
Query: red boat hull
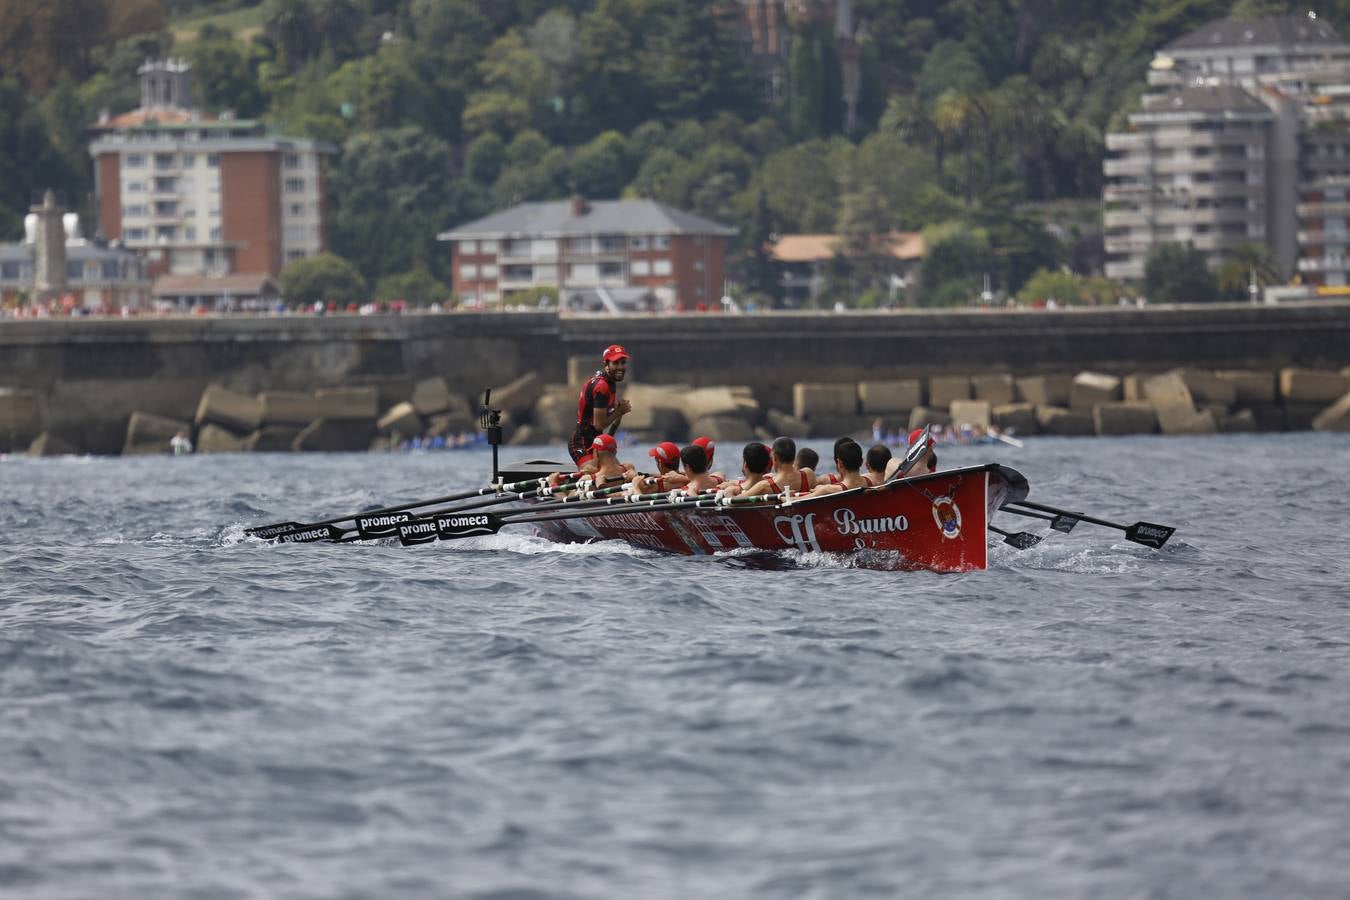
x: 936, y: 522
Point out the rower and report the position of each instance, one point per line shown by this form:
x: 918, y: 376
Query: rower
x: 808, y: 459
x: 926, y: 463
x: 848, y: 459
x: 695, y: 460
x: 599, y: 409
x: 601, y: 464
x: 709, y: 447
x: 878, y: 457
x: 668, y: 476
x: 785, y: 475
x: 755, y: 462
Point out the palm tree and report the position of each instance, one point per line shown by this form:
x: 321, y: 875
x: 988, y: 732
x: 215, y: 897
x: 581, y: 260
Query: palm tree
x: 1248, y: 264
x: 961, y: 115
x: 912, y: 121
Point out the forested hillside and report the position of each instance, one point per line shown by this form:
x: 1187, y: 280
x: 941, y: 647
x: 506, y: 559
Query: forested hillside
x: 968, y: 113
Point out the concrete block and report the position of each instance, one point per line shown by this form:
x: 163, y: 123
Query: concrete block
x: 926, y: 415
x: 215, y: 439
x: 660, y: 409
x: 403, y: 418
x: 335, y: 436
x: 943, y: 389
x: 1268, y: 418
x: 996, y: 390
x: 1335, y: 417
x: 381, y: 444
x: 348, y: 403
x: 1064, y: 422
x: 287, y: 408
x: 727, y: 402
x: 555, y: 415
x: 150, y: 434
x: 1300, y: 416
x: 580, y: 368
x: 449, y: 425
x: 855, y: 425
x: 432, y: 395
x: 1208, y: 387
x: 519, y: 397
x: 970, y: 412
x: 1110, y: 419
x: 21, y: 418
x: 1168, y: 390
x: 1132, y: 388
x: 272, y: 439
x: 525, y: 434
x: 814, y: 400
x: 1179, y: 420
x: 1252, y: 388
x: 782, y: 424
x: 1045, y: 390
x: 235, y: 411
x: 723, y: 428
x: 51, y: 444
x: 1092, y: 388
x: 1241, y: 421
x: 882, y: 397
x: 1018, y: 418
x: 1312, y: 386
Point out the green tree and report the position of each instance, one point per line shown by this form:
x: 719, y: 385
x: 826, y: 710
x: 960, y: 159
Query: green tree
x: 695, y: 64
x: 322, y: 278
x: 290, y: 26
x: 484, y: 158
x: 1177, y: 273
x: 29, y: 161
x: 1249, y: 263
x: 957, y: 258
x: 418, y: 287
x: 1069, y: 288
x: 222, y: 76
x: 601, y: 168
x: 41, y: 42
x: 515, y: 87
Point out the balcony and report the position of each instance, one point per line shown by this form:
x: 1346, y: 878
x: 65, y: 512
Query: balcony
x: 1324, y: 264
x: 1323, y: 210
x: 1126, y: 218
x: 1128, y: 140
x: 1322, y: 238
x: 1140, y: 165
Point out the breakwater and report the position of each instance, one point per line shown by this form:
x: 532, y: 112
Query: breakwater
x: 85, y: 377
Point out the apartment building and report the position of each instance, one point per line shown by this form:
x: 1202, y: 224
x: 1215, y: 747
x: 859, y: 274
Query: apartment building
x: 1230, y: 147
x: 205, y: 197
x: 591, y: 250
x: 1192, y: 169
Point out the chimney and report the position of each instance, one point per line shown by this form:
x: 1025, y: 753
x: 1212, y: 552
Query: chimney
x: 579, y: 205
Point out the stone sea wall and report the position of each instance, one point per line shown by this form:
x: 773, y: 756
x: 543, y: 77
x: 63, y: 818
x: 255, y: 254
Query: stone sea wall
x: 102, y: 386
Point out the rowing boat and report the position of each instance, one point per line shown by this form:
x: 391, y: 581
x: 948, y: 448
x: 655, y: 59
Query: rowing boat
x: 937, y: 521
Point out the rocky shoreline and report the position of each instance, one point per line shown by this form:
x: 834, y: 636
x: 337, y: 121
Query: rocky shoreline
x: 1177, y: 401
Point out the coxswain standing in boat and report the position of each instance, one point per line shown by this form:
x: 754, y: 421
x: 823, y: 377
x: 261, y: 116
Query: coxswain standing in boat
x: 785, y: 475
x: 848, y: 460
x: 668, y: 476
x: 599, y: 409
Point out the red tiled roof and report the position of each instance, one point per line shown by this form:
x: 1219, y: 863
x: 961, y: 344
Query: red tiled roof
x: 797, y: 248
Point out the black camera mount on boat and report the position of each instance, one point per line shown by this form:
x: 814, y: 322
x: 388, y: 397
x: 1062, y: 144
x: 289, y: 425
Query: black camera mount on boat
x: 491, y: 422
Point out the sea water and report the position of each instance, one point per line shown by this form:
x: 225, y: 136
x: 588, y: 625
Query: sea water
x: 189, y: 713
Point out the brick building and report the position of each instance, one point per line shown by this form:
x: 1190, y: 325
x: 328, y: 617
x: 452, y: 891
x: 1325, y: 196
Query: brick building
x: 593, y: 252
x: 205, y: 197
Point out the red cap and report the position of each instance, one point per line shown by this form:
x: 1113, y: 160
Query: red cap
x: 613, y: 352
x: 666, y: 452
x: 708, y: 446
x: 915, y: 435
x: 605, y: 443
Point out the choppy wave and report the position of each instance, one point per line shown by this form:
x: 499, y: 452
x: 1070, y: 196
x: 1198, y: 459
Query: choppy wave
x: 189, y: 712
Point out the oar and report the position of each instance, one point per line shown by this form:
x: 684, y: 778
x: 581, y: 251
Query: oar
x: 1022, y: 540
x: 1061, y: 523
x: 451, y: 526
x: 279, y: 529
x: 1146, y: 533
x: 915, y: 453
x: 382, y: 524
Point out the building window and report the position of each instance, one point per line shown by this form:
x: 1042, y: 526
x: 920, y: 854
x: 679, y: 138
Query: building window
x: 611, y: 270
x: 292, y: 255
x: 166, y: 207
x: 190, y: 233
x: 295, y: 233
x: 215, y: 232
x: 487, y: 246
x: 213, y: 159
x: 291, y: 161
x: 133, y: 209
x: 189, y: 160
x: 487, y: 271
x: 163, y: 160
x: 165, y: 232
x: 109, y: 269
x: 134, y: 234
x: 9, y: 271
x: 661, y: 242
x: 468, y: 272
x: 214, y: 212
x: 611, y: 244
x: 468, y: 247
x: 638, y: 243
x: 295, y: 185
x: 166, y: 184
x: 641, y: 267
x: 135, y: 187
x: 660, y: 267
x: 74, y: 271
x: 135, y: 160
x: 297, y: 209
x: 698, y: 265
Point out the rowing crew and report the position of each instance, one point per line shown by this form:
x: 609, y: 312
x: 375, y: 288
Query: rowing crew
x: 765, y: 470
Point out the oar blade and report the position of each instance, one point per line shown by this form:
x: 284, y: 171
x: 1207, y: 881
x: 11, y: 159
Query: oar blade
x: 383, y: 525
x: 1149, y: 534
x: 1064, y: 523
x: 1022, y: 540
x: 448, y: 527
x: 417, y: 531
x: 310, y: 534
x: 268, y: 532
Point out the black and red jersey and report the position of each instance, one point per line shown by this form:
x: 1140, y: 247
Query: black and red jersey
x: 599, y: 392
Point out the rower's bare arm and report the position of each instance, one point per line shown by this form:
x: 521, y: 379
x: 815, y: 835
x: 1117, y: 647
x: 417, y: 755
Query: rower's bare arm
x: 821, y: 490
x: 758, y: 488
